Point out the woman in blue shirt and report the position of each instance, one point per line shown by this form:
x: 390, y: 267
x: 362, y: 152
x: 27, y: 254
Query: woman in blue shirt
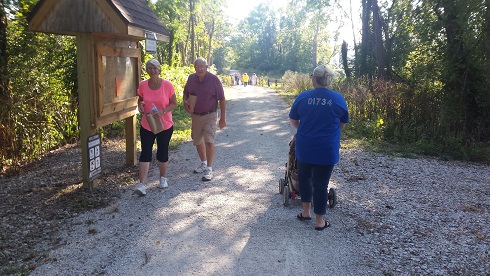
x: 319, y: 115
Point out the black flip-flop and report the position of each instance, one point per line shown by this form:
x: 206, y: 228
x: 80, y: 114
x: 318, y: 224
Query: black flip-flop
x: 301, y: 218
x: 327, y: 224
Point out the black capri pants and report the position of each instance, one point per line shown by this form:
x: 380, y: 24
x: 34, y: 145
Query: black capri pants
x: 147, y: 141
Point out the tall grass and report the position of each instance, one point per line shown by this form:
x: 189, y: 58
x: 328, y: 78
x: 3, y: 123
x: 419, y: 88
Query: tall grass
x: 294, y: 83
x: 397, y: 118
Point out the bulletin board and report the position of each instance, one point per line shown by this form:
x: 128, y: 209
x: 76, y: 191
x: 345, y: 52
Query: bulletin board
x: 118, y: 78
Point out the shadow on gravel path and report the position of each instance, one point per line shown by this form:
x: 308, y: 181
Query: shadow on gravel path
x: 232, y: 225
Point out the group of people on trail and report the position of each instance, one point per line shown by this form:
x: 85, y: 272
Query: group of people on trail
x: 318, y: 114
x: 244, y: 79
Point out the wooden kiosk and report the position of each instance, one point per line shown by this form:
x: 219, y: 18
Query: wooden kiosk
x: 108, y: 60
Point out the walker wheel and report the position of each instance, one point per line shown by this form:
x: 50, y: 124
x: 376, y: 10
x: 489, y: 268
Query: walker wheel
x: 281, y: 185
x: 332, y: 197
x: 285, y: 196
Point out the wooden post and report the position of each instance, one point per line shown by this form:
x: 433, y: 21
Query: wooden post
x: 130, y: 124
x: 86, y: 95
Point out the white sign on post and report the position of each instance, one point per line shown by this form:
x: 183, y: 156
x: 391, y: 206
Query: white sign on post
x: 150, y: 42
x: 94, y: 156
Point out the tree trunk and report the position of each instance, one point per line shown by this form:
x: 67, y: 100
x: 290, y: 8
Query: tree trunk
x: 345, y: 64
x: 378, y: 41
x: 388, y: 44
x: 7, y: 136
x: 210, y: 42
x: 3, y: 54
x: 192, y: 32
x: 171, y: 48
x: 487, y: 41
x: 185, y: 57
x: 356, y: 54
x: 314, y: 56
x: 366, y: 37
x: 458, y: 87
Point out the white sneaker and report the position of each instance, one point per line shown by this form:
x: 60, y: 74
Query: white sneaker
x: 140, y: 189
x: 200, y: 169
x: 208, y: 175
x: 163, y: 182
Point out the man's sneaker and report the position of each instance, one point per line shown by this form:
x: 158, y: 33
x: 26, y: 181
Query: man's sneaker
x: 140, y: 189
x: 200, y: 169
x: 208, y: 175
x: 163, y: 182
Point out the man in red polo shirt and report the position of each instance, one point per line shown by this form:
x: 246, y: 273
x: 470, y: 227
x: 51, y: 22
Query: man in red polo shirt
x: 209, y: 91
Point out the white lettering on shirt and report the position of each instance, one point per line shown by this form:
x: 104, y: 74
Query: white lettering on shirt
x: 319, y: 101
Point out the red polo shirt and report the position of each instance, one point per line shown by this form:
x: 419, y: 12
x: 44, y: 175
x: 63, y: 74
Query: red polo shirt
x: 208, y: 92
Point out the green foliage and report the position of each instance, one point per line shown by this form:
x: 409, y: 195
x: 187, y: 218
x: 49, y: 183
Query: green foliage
x: 407, y: 116
x: 193, y: 26
x: 40, y: 112
x: 371, y: 130
x: 294, y: 83
x: 182, y: 130
x: 271, y: 45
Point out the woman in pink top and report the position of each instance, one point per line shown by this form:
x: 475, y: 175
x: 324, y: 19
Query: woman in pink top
x: 156, y: 97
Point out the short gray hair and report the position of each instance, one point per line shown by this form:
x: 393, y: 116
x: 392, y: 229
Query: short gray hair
x: 201, y: 59
x: 323, y: 75
x: 153, y: 62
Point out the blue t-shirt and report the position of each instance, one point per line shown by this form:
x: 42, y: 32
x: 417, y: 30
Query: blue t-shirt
x: 320, y: 112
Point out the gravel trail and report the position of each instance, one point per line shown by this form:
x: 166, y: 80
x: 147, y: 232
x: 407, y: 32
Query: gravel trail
x: 395, y: 216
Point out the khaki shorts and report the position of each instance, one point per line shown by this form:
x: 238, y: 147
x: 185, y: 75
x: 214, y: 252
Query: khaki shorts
x: 204, y: 128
